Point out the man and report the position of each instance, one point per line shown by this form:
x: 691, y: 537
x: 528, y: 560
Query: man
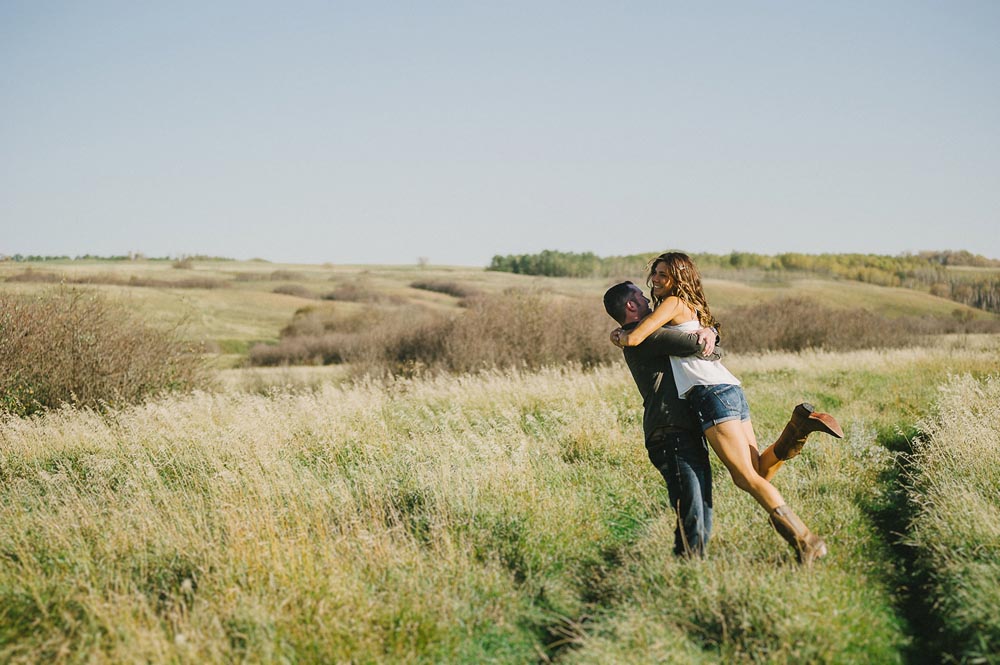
x: 674, y: 440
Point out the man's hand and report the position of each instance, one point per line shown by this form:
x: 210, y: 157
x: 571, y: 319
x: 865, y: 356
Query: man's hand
x: 707, y: 336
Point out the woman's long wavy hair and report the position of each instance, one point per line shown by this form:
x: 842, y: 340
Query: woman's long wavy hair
x: 686, y: 284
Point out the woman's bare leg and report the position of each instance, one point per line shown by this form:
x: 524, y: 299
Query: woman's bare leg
x: 769, y: 463
x: 766, y: 463
x: 736, y: 449
x: 736, y: 446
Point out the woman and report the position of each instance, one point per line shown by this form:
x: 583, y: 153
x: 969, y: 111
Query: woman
x: 718, y: 401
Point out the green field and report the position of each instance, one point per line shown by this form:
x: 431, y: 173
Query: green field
x: 291, y: 515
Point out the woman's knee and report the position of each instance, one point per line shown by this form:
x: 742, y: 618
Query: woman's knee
x: 749, y: 480
x: 743, y: 480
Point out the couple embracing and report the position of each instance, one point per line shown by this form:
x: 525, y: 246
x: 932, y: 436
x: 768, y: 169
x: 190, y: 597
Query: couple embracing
x: 689, y: 396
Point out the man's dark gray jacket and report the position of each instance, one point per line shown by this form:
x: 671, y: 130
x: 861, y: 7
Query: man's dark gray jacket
x: 650, y: 366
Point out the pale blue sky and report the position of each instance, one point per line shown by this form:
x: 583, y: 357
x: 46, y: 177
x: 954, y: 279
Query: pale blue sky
x: 377, y: 132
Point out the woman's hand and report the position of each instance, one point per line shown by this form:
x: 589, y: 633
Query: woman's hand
x: 618, y: 336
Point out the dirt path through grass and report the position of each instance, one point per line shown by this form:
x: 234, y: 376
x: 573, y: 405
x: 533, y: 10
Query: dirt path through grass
x: 894, y: 518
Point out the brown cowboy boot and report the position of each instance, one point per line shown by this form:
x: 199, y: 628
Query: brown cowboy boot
x: 807, y: 545
x: 803, y: 422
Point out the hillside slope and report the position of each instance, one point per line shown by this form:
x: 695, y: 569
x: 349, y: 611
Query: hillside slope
x: 231, y: 304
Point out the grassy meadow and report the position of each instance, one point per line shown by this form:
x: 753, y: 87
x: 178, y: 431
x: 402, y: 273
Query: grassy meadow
x: 955, y: 490
x: 303, y: 514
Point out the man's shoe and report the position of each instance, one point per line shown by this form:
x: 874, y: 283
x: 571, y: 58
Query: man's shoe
x: 804, y: 421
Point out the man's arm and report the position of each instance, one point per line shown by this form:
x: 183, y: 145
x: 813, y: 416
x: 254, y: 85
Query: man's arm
x: 665, y: 342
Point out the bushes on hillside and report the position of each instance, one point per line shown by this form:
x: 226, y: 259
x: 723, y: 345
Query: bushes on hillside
x: 287, y: 276
x: 528, y: 329
x: 31, y: 275
x: 251, y: 277
x: 531, y: 329
x: 514, y: 329
x: 296, y: 290
x: 361, y: 290
x: 448, y: 288
x: 71, y: 346
x: 325, y: 336
x: 796, y: 324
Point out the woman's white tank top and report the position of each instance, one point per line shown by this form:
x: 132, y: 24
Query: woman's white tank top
x: 692, y: 371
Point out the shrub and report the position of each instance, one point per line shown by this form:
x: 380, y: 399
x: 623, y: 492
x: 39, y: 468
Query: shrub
x: 183, y: 264
x: 517, y: 328
x: 531, y: 329
x: 287, y: 276
x: 296, y: 290
x: 960, y: 322
x: 188, y: 283
x: 522, y: 328
x: 448, y: 288
x: 795, y: 324
x: 250, y: 277
x: 327, y: 349
x: 349, y: 292
x: 71, y: 346
x: 318, y: 336
x: 324, y: 336
x: 361, y: 291
x: 312, y: 320
x: 30, y: 275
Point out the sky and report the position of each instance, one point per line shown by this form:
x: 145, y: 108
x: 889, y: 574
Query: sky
x: 389, y: 132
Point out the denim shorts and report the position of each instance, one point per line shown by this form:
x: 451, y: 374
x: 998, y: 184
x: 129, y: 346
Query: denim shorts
x: 718, y: 404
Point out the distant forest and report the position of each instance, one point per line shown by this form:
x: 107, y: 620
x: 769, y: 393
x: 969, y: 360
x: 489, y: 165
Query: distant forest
x: 961, y: 276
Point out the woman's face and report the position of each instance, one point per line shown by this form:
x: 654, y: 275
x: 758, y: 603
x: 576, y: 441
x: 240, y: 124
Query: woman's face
x: 660, y: 280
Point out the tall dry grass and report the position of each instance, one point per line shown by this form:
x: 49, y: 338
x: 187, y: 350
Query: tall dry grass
x: 366, y: 524
x: 500, y: 517
x: 956, y: 529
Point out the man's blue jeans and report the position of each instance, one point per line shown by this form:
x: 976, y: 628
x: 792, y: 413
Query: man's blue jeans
x: 682, y: 459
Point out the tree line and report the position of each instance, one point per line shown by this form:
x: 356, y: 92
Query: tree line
x: 931, y: 271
